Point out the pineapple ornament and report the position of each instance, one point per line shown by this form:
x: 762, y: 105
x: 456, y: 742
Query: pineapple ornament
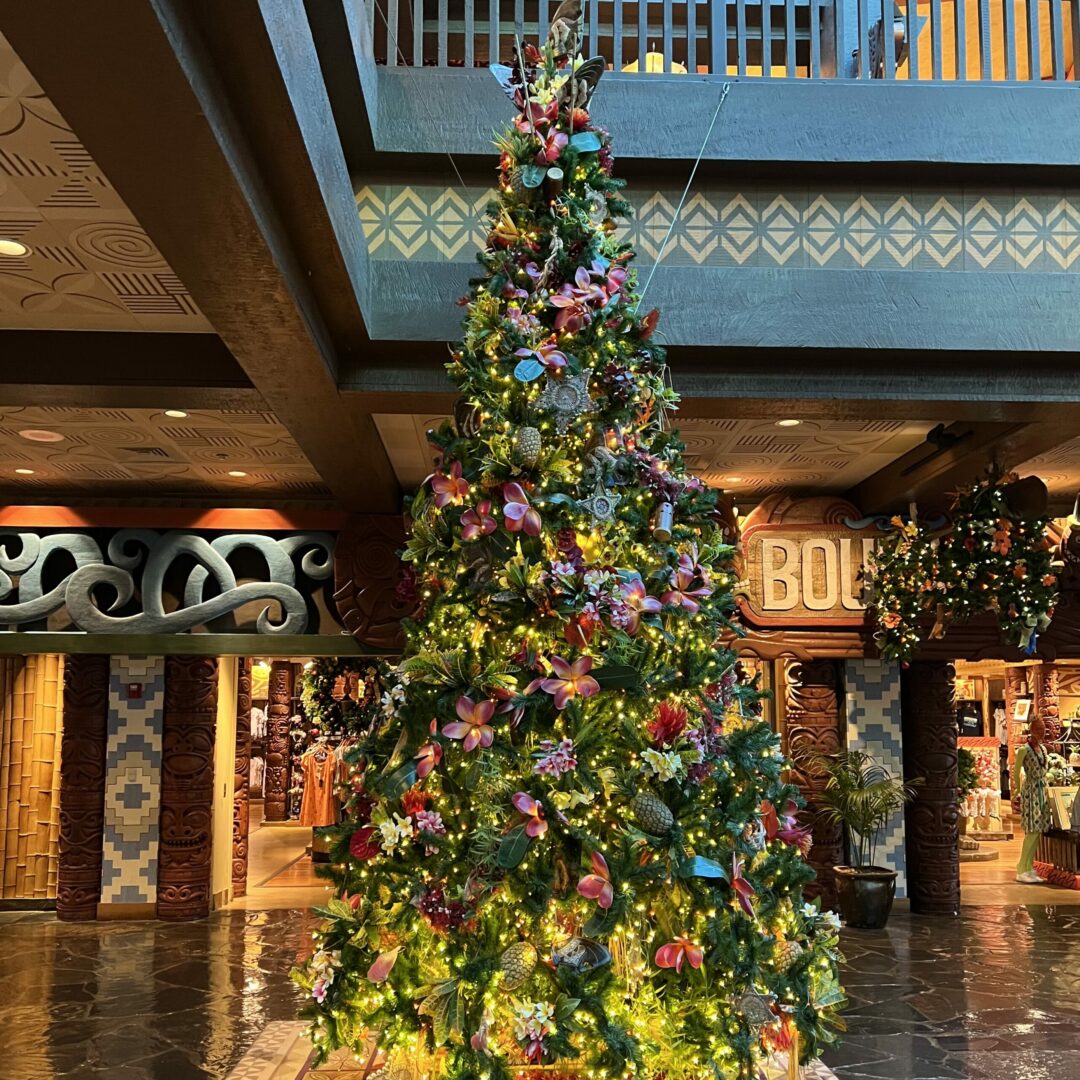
x: 527, y: 446
x: 517, y: 964
x: 787, y: 953
x: 652, y: 814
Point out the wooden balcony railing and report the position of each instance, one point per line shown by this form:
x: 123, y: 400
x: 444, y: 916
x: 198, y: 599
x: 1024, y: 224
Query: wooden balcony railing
x: 938, y: 40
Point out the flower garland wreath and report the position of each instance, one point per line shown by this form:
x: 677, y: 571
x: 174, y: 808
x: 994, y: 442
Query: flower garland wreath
x: 340, y: 694
x: 996, y: 556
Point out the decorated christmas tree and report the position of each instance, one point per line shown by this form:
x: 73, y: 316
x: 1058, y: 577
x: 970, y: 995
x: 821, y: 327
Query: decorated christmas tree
x: 570, y: 848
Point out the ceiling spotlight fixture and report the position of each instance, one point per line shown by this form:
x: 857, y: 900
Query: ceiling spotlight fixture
x: 733, y: 479
x: 176, y: 414
x: 790, y: 422
x: 237, y: 472
x: 40, y: 435
x: 14, y: 248
x: 25, y: 472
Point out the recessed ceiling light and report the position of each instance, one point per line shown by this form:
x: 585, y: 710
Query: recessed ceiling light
x: 176, y: 414
x: 790, y: 422
x: 12, y: 247
x: 25, y: 472
x: 237, y: 472
x: 40, y: 435
x: 732, y: 479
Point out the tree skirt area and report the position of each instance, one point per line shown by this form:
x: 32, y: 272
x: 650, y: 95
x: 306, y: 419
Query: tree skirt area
x: 283, y: 1053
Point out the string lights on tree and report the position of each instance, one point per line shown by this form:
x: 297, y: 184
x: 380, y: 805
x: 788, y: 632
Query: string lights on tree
x: 570, y: 843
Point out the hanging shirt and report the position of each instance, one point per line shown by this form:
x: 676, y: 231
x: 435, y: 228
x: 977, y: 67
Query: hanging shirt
x: 320, y: 805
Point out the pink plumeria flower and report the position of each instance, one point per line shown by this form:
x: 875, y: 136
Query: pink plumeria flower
x: 473, y: 726
x: 597, y: 885
x: 684, y: 591
x: 552, y: 147
x: 450, y: 489
x: 548, y: 353
x: 477, y: 522
x: 533, y: 809
x: 519, y: 515
x: 569, y: 681
x: 676, y: 953
x: 428, y: 756
x: 639, y: 602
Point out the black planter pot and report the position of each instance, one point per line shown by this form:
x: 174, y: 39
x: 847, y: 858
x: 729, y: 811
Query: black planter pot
x: 865, y: 895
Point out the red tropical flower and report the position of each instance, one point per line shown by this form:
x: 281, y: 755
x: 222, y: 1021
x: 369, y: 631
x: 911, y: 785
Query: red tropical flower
x: 648, y: 324
x: 533, y: 809
x: 552, y: 147
x: 478, y: 522
x: 473, y: 726
x: 362, y: 846
x: 785, y: 826
x: 519, y: 515
x: 676, y: 953
x: 668, y: 723
x: 597, y: 885
x: 744, y: 891
x: 568, y: 681
x: 450, y: 488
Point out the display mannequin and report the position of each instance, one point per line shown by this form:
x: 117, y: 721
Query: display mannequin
x: 1034, y: 798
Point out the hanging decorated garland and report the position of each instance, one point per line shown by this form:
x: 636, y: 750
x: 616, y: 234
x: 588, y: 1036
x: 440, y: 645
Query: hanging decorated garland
x: 341, y: 694
x: 995, y: 556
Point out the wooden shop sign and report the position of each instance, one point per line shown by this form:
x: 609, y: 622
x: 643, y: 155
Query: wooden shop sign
x: 803, y: 561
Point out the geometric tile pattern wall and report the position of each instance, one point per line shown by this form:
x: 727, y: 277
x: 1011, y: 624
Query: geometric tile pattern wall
x: 91, y: 266
x: 898, y: 228
x: 750, y: 457
x: 127, y: 451
x: 872, y: 690
x: 133, y: 780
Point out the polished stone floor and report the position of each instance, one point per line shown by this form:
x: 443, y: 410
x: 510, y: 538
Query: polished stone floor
x: 994, y: 995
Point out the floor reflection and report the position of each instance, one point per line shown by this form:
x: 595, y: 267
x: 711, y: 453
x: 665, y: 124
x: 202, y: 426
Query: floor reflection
x: 994, y: 995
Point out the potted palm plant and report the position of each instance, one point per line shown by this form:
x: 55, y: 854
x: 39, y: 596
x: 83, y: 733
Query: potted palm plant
x: 862, y: 796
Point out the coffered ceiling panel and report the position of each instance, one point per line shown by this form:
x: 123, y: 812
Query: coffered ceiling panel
x: 90, y: 266
x: 755, y: 457
x: 136, y: 453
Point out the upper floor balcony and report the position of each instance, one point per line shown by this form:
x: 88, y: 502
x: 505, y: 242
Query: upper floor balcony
x: 956, y: 81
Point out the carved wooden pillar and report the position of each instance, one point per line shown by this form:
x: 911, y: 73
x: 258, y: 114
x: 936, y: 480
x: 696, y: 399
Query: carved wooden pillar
x: 1048, y: 703
x: 82, y: 786
x: 812, y: 710
x: 241, y: 777
x: 187, y: 787
x: 933, y: 816
x: 276, y: 779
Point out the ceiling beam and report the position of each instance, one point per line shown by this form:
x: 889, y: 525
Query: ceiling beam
x: 215, y: 162
x: 931, y: 472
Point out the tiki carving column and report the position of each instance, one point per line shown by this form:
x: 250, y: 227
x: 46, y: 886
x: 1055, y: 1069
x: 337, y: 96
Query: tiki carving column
x: 187, y: 787
x: 82, y: 786
x: 812, y: 709
x: 1048, y: 703
x: 276, y: 779
x: 933, y: 816
x: 241, y: 777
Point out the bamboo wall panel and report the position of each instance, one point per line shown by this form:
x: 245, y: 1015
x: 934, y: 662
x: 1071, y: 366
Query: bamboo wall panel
x: 31, y: 717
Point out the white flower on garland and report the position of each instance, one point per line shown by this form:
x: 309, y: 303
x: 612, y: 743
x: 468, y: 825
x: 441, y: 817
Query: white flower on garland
x: 325, y: 965
x: 663, y: 764
x: 396, y: 833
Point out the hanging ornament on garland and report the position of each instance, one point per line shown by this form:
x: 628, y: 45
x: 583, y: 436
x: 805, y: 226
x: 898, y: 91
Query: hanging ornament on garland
x: 995, y: 556
x: 527, y: 446
x: 567, y: 398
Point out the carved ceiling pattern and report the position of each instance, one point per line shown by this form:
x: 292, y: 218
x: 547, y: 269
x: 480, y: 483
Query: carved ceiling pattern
x: 133, y: 452
x: 90, y: 266
x: 818, y: 455
x: 1059, y: 468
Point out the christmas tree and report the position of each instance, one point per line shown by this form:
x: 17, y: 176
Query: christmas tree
x: 570, y: 842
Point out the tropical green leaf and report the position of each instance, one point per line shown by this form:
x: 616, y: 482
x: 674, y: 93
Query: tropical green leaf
x: 513, y: 847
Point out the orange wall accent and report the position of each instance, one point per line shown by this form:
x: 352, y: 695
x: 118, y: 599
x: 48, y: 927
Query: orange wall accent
x: 168, y: 517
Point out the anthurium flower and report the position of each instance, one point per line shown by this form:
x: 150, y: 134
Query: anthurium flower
x: 648, y: 324
x: 380, y: 970
x: 473, y: 726
x: 568, y: 681
x: 548, y: 353
x: 675, y: 953
x: 450, y: 489
x: 533, y: 809
x: 427, y: 758
x: 744, y: 891
x: 597, y: 885
x: 363, y: 845
x: 639, y: 602
x: 477, y: 521
x: 520, y: 516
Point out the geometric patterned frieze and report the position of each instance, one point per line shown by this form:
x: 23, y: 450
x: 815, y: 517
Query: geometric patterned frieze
x: 133, y: 779
x: 90, y: 265
x: 873, y: 725
x: 996, y: 229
